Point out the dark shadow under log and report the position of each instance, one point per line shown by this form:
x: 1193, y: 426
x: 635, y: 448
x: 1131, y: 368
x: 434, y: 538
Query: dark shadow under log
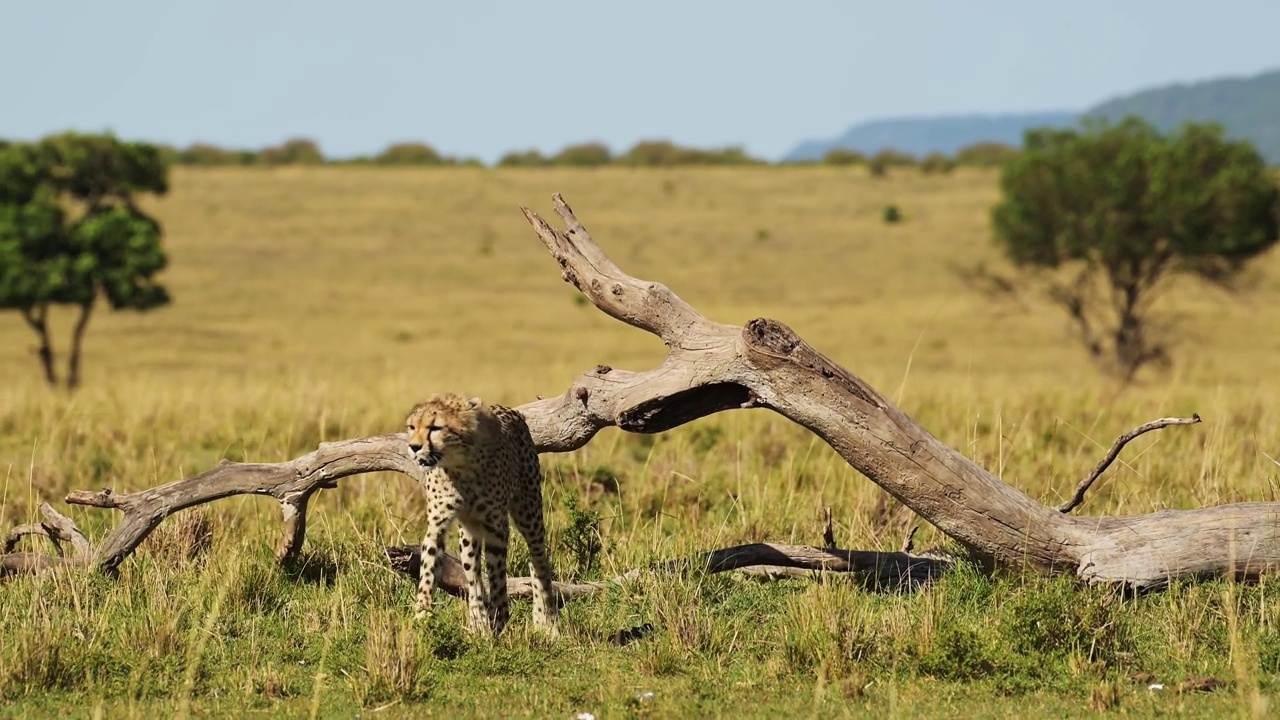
x: 880, y: 571
x: 662, y: 414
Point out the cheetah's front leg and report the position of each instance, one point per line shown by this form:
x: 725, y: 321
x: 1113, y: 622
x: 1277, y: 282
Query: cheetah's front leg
x: 432, y: 559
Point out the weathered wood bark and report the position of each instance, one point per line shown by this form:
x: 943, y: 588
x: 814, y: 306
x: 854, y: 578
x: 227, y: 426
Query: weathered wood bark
x: 712, y: 367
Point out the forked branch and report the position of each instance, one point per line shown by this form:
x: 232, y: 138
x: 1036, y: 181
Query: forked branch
x: 59, y: 529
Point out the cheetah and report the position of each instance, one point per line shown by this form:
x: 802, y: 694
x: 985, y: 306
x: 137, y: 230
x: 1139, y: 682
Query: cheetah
x: 482, y: 465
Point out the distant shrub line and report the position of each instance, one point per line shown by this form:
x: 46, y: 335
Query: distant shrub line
x: 647, y: 153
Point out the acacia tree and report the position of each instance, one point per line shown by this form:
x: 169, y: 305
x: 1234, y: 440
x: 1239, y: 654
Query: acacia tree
x: 1108, y: 214
x: 71, y: 233
x: 409, y: 153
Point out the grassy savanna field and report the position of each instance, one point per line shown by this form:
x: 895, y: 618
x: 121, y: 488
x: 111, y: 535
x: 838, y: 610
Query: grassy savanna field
x: 320, y: 304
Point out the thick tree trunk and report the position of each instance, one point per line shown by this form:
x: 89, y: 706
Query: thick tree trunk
x: 77, y: 340
x: 713, y: 367
x: 38, y: 319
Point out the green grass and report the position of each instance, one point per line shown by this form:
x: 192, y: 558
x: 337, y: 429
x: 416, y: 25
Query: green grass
x: 249, y: 637
x: 319, y: 304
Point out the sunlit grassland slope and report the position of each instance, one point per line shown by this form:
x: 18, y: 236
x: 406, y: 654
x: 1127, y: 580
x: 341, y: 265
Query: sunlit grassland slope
x: 317, y: 304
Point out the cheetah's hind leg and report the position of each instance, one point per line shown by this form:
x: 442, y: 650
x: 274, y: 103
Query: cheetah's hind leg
x: 545, y: 608
x: 495, y: 560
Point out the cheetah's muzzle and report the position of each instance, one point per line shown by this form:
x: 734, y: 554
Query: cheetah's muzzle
x: 430, y: 460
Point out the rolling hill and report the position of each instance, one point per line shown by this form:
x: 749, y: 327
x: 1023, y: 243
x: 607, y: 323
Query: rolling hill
x: 923, y: 135
x: 1248, y: 107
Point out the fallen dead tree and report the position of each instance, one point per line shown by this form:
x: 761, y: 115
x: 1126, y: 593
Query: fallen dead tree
x: 712, y: 367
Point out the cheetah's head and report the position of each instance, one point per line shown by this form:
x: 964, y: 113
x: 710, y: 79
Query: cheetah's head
x: 442, y: 428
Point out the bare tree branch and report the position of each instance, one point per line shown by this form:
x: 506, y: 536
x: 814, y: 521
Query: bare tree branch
x: 21, y: 531
x: 25, y: 563
x: 291, y: 483
x: 1114, y: 452
x: 58, y: 528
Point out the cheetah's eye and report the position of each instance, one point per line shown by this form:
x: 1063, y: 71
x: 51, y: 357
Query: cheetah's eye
x: 411, y: 428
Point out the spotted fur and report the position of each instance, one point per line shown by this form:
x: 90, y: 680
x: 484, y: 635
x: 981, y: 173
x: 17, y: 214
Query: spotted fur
x: 482, y: 466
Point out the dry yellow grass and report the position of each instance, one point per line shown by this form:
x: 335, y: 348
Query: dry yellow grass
x: 352, y: 291
x: 313, y: 304
x: 317, y: 269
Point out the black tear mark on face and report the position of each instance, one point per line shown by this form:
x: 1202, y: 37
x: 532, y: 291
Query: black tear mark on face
x: 431, y: 457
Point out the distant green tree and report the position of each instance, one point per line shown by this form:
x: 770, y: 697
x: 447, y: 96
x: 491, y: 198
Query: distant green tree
x: 844, y: 156
x: 297, y: 151
x: 894, y: 158
x: 937, y: 163
x: 985, y: 154
x: 528, y: 158
x: 592, y: 154
x: 204, y: 154
x: 1106, y: 215
x: 731, y: 155
x: 664, y: 153
x: 880, y: 163
x: 653, y: 153
x: 409, y: 153
x: 71, y: 233
x: 169, y: 155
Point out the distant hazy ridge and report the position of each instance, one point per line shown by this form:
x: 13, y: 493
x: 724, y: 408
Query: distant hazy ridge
x: 1249, y: 108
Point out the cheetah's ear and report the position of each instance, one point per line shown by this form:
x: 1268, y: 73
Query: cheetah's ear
x: 475, y: 403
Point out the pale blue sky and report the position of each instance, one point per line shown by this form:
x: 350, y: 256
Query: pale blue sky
x: 480, y: 78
